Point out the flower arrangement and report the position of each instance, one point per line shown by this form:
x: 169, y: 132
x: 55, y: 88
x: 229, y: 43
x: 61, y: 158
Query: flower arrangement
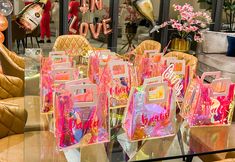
x: 189, y: 23
x: 133, y: 16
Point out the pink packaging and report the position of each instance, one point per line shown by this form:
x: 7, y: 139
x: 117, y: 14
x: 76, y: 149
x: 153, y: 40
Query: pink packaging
x: 120, y: 83
x: 52, y: 76
x: 98, y: 64
x: 150, y: 112
x: 81, y: 115
x: 177, y: 76
x: 209, y: 104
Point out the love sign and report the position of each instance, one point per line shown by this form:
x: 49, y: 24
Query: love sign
x: 95, y: 29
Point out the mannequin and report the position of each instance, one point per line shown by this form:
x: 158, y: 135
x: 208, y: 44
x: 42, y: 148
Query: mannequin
x: 45, y: 23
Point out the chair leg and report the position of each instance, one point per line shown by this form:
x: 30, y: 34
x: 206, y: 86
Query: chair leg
x: 18, y: 46
x: 23, y: 43
x: 31, y: 39
x: 37, y: 42
x: 26, y: 42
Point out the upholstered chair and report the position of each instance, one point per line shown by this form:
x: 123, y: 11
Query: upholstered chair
x: 10, y: 86
x: 147, y: 45
x: 189, y: 60
x: 12, y: 119
x: 77, y: 43
x: 12, y: 64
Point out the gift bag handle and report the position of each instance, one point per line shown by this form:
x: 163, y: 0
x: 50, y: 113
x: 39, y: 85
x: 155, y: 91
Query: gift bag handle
x: 217, y: 75
x: 152, y: 53
x: 222, y: 81
x: 155, y: 85
x: 152, y: 80
x: 175, y: 62
x: 59, y: 55
x: 118, y: 63
x: 68, y: 84
x: 74, y: 88
x: 56, y: 53
x: 61, y: 65
x: 69, y: 70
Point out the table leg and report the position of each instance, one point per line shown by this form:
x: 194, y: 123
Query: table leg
x: 189, y: 159
x: 180, y: 140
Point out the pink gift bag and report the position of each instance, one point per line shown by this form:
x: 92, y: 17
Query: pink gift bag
x: 97, y: 64
x: 150, y: 112
x: 120, y: 83
x: 59, y: 57
x: 81, y: 115
x: 209, y: 103
x: 176, y: 73
x: 51, y: 80
x: 147, y: 68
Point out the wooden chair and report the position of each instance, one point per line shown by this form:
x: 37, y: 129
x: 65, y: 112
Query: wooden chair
x: 189, y: 60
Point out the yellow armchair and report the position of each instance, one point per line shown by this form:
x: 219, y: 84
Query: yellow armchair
x: 147, y: 45
x: 10, y: 86
x: 12, y: 119
x: 72, y: 42
x: 12, y: 64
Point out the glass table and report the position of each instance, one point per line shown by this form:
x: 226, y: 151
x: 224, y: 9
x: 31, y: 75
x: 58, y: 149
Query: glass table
x: 40, y: 142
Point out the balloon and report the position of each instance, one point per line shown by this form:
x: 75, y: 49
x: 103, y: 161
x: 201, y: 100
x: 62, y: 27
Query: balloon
x: 30, y: 16
x: 3, y: 23
x: 84, y: 7
x: 97, y: 3
x: 95, y: 31
x: 145, y: 8
x: 6, y: 7
x: 106, y: 27
x: 83, y: 29
x: 2, y: 38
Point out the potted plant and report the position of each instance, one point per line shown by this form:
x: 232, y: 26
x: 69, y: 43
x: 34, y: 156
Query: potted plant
x: 188, y: 27
x: 229, y: 10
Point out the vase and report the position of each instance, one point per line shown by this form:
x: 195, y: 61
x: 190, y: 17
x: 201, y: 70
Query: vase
x: 181, y: 45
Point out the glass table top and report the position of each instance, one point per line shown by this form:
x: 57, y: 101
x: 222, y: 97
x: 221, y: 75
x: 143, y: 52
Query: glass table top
x: 186, y: 142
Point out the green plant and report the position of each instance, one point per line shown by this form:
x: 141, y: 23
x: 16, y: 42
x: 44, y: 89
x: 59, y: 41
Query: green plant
x: 229, y: 9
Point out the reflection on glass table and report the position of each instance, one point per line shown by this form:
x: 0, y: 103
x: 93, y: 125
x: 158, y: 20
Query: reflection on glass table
x: 32, y: 69
x: 187, y: 142
x: 40, y: 143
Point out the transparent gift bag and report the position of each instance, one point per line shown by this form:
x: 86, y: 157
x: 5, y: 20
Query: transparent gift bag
x: 120, y: 83
x: 148, y: 66
x: 209, y: 104
x: 81, y: 115
x: 150, y: 112
x: 51, y: 81
x: 98, y: 64
x: 176, y: 73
